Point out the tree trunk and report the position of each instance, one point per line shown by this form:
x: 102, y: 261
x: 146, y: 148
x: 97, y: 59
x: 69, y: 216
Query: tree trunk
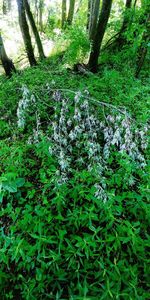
x: 6, y: 62
x: 4, y: 7
x: 9, y: 5
x: 99, y: 34
x: 36, y: 12
x: 71, y: 12
x: 25, y: 32
x: 143, y: 47
x: 34, y: 29
x: 64, y: 12
x: 41, y: 5
x: 135, y: 2
x: 94, y: 18
x: 126, y: 18
x: 121, y: 40
x: 79, y: 6
x: 88, y: 14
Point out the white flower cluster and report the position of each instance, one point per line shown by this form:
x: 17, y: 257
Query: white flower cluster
x: 23, y: 106
x: 120, y: 132
x: 81, y: 141
x: 76, y: 138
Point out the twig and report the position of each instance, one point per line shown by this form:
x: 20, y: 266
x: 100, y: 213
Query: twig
x: 108, y: 44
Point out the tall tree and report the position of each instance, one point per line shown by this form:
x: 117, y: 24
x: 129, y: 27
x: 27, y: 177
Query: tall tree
x: 6, y: 6
x: 36, y: 11
x: 142, y: 51
x: 25, y: 32
x: 99, y: 34
x: 79, y: 6
x: 88, y: 14
x: 9, y: 4
x: 94, y: 13
x: 41, y: 7
x: 34, y: 29
x: 6, y: 62
x: 120, y: 40
x: 71, y: 12
x: 64, y: 12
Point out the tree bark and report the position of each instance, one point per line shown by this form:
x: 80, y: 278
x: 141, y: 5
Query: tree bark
x: 64, y: 12
x: 79, y: 6
x: 120, y: 40
x: 71, y: 12
x: 94, y: 18
x: 88, y: 14
x: 134, y: 5
x: 101, y: 27
x: 6, y: 62
x: 142, y: 51
x: 36, y: 12
x: 41, y: 5
x: 25, y: 32
x: 126, y: 19
x: 9, y: 5
x: 34, y: 29
x: 4, y: 7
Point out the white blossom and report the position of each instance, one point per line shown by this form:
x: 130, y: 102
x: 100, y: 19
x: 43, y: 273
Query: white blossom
x: 23, y: 106
x: 80, y: 140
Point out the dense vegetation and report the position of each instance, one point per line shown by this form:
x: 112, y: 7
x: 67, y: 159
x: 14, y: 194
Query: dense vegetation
x: 74, y: 152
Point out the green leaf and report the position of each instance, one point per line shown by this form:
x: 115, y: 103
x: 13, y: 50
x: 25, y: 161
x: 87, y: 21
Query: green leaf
x: 10, y: 186
x: 1, y: 196
x: 20, y: 182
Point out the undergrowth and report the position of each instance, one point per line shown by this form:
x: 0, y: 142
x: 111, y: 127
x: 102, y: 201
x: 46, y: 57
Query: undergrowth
x: 74, y: 185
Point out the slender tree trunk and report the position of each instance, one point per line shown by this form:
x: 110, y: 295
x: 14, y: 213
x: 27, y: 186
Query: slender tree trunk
x: 91, y: 6
x: 36, y: 12
x: 88, y: 14
x: 41, y: 5
x: 4, y: 7
x: 142, y: 51
x: 94, y: 18
x: 126, y: 19
x: 9, y: 5
x: 34, y: 29
x: 78, y: 7
x: 121, y: 40
x: 6, y: 62
x: 118, y: 40
x: 101, y: 27
x: 134, y: 5
x: 71, y: 12
x: 64, y: 12
x: 25, y: 32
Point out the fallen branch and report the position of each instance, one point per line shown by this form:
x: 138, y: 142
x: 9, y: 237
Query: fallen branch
x: 94, y: 100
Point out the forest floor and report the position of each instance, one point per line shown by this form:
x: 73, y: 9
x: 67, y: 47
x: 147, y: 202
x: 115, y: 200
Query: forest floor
x: 60, y: 241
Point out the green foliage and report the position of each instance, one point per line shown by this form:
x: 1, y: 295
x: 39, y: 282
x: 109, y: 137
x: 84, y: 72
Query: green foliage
x: 60, y: 241
x: 9, y: 183
x: 76, y: 42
